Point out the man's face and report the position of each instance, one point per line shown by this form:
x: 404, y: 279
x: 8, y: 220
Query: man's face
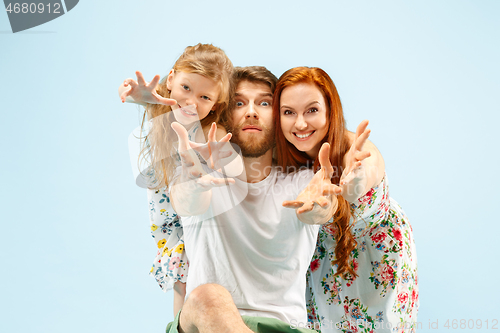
x: 252, y: 119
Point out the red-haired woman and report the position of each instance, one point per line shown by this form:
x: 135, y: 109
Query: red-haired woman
x: 363, y: 275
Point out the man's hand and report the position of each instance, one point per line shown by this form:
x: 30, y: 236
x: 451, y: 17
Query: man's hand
x: 317, y: 203
x: 142, y: 92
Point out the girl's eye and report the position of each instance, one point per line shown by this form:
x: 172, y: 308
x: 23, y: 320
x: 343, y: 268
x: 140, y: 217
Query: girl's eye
x: 239, y: 104
x: 185, y: 87
x: 287, y: 112
x: 206, y: 98
x: 265, y: 103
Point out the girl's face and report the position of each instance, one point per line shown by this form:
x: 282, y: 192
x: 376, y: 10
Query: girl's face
x: 303, y: 117
x: 195, y: 94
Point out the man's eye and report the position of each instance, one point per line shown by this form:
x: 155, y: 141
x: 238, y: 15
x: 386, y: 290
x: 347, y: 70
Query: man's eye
x: 185, y: 87
x: 265, y: 103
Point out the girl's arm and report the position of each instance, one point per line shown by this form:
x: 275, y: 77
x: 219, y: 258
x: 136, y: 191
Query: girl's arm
x: 179, y: 296
x: 365, y: 166
x: 142, y: 92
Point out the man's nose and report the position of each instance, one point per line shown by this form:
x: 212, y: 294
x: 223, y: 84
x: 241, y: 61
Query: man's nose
x: 300, y: 123
x: 252, y: 112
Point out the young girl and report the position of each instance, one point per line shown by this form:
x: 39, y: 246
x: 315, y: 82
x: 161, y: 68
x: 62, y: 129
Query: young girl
x: 197, y: 90
x: 363, y: 275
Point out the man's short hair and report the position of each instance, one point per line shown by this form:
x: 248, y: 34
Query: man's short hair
x: 255, y: 74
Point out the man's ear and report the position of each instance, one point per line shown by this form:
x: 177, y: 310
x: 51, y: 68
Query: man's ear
x: 170, y: 78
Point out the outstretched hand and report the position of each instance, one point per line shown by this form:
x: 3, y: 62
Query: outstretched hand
x: 143, y: 92
x: 355, y: 156
x: 214, y: 151
x: 192, y: 170
x: 319, y: 192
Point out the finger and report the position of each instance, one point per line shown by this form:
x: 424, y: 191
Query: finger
x: 165, y: 101
x: 130, y: 82
x: 208, y: 180
x: 224, y: 154
x: 306, y: 208
x: 293, y: 204
x: 361, y: 155
x: 332, y: 190
x: 324, y: 160
x: 194, y: 173
x: 361, y: 128
x: 182, y: 134
x: 154, y: 81
x: 140, y: 78
x: 211, y: 133
x: 226, y: 137
x: 323, y: 202
x: 361, y: 140
x: 124, y: 95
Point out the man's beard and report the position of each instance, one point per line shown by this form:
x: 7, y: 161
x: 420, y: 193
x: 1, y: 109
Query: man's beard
x: 251, y: 146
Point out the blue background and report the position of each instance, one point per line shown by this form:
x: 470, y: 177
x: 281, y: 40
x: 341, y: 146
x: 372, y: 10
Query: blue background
x: 75, y: 249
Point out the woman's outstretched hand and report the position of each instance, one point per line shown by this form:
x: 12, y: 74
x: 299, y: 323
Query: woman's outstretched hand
x: 143, y: 92
x: 317, y: 203
x: 353, y: 177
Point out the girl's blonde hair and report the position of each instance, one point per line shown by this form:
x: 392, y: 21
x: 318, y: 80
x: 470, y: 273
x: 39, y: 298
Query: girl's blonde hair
x: 159, y: 145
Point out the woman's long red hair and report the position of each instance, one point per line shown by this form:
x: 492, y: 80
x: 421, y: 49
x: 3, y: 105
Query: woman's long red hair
x: 289, y: 157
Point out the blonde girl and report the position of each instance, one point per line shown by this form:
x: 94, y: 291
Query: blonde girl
x: 195, y: 93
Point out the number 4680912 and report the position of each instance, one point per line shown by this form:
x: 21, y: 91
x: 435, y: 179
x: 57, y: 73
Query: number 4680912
x: 33, y: 8
x: 471, y: 324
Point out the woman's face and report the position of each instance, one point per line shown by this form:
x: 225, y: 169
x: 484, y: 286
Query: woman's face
x: 303, y: 116
x: 195, y: 94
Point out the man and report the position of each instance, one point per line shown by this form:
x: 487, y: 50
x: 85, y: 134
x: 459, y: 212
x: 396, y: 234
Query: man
x: 248, y: 254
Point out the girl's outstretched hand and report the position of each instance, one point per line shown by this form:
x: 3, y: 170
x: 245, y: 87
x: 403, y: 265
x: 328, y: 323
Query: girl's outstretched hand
x: 319, y: 192
x: 193, y: 174
x: 353, y: 173
x: 143, y: 92
x: 214, y: 151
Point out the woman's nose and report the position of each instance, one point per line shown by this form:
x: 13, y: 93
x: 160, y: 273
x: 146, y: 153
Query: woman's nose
x: 300, y: 124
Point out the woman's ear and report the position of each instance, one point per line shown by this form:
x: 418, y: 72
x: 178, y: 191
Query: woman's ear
x: 170, y: 78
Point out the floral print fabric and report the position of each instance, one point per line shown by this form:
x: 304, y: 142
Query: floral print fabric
x: 171, y: 262
x: 384, y: 295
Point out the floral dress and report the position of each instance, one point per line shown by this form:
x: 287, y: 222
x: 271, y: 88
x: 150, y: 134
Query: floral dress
x: 384, y: 295
x: 171, y: 263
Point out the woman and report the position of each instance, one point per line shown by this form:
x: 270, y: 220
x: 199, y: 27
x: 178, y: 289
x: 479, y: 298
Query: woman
x: 363, y: 275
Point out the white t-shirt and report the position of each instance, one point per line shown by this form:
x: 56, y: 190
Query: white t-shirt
x: 253, y: 246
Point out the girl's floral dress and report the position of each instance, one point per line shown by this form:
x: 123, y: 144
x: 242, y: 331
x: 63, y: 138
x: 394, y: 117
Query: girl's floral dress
x: 384, y: 295
x: 171, y: 263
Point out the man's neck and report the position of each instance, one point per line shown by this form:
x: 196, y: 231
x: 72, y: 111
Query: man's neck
x: 258, y: 168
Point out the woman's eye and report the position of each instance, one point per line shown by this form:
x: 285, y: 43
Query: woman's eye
x: 287, y: 112
x: 206, y: 98
x: 185, y: 87
x: 313, y: 110
x: 265, y: 103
